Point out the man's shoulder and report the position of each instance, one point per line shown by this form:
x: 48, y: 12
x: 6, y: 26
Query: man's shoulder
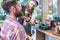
x: 8, y: 26
x: 11, y: 22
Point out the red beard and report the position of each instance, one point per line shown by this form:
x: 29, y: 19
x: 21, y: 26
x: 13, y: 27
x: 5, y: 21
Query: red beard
x: 19, y: 14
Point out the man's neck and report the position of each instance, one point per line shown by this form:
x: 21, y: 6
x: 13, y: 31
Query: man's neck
x: 12, y: 16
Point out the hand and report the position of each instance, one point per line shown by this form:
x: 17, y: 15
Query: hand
x: 30, y: 38
x: 25, y: 18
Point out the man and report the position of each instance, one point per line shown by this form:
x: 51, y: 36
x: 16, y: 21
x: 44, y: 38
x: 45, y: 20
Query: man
x: 29, y: 12
x: 11, y: 29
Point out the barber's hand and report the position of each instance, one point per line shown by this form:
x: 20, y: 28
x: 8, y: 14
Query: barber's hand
x: 30, y: 38
x: 25, y: 18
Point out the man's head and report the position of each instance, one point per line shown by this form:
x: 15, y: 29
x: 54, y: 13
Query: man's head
x: 13, y: 7
x: 33, y: 3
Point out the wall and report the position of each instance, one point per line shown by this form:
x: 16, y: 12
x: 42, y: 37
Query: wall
x: 45, y: 11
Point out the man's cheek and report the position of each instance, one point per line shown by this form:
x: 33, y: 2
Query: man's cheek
x: 19, y: 8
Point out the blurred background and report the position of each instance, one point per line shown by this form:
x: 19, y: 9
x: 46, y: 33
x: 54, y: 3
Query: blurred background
x: 44, y: 8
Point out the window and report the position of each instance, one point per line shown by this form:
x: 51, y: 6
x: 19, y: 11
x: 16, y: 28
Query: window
x: 2, y: 14
x: 55, y: 9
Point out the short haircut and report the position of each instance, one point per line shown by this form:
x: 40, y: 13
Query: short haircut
x: 6, y: 4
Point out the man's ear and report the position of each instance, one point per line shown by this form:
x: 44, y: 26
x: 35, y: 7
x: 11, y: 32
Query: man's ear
x: 12, y: 9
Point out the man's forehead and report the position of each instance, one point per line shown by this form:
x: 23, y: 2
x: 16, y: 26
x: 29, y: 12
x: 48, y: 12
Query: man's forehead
x: 32, y: 2
x: 18, y: 2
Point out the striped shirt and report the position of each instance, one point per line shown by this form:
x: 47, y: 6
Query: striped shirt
x: 12, y: 30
